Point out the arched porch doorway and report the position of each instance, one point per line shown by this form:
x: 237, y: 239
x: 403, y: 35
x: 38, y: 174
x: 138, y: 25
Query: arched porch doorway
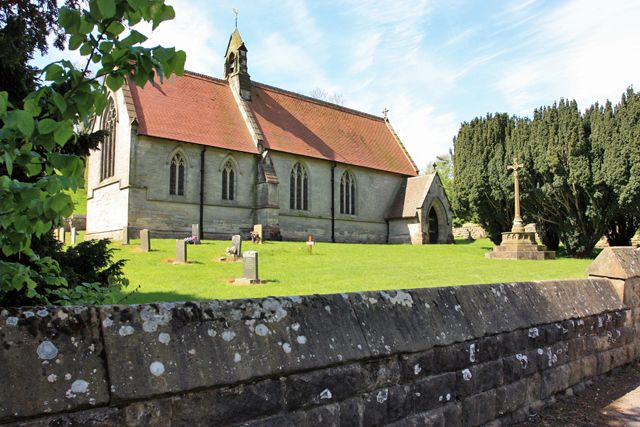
x: 433, y: 225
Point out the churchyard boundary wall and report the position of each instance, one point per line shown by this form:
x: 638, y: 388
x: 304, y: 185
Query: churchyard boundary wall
x: 452, y: 356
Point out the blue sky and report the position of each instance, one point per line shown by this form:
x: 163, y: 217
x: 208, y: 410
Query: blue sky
x: 432, y: 63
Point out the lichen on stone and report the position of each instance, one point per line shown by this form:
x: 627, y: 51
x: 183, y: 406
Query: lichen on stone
x: 47, y: 350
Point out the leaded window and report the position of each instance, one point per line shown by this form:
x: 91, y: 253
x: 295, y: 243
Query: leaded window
x: 228, y: 182
x: 176, y: 175
x: 299, y: 188
x: 108, y: 150
x: 347, y: 194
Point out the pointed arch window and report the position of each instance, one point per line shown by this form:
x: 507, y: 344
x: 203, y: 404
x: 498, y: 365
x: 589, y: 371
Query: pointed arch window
x: 228, y: 181
x: 299, y: 188
x: 176, y: 175
x: 108, y: 150
x: 347, y: 194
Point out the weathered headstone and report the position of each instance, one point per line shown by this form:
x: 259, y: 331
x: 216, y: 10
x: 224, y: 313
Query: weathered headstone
x: 61, y: 234
x: 73, y: 235
x: 257, y: 232
x: 195, y: 232
x: 145, y: 240
x: 250, y: 260
x: 125, y: 235
x: 181, y: 251
x: 235, y: 250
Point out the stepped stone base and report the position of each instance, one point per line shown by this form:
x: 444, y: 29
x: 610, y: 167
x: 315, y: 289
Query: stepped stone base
x: 520, y: 245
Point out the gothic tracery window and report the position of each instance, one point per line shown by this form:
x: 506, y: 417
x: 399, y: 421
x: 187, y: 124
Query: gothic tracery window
x: 108, y: 149
x: 228, y: 181
x: 347, y: 194
x: 299, y: 188
x: 176, y: 175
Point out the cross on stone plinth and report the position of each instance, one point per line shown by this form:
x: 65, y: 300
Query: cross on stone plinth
x: 517, y: 227
x: 385, y: 112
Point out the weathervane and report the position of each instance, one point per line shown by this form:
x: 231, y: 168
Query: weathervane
x: 237, y: 12
x: 385, y: 111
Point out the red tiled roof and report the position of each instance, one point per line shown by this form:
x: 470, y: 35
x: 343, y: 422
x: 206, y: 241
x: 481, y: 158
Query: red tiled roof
x: 192, y: 109
x: 201, y: 110
x: 297, y: 124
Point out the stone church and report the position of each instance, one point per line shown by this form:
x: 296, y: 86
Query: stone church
x: 231, y: 153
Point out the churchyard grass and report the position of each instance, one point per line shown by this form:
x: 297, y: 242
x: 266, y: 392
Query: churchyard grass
x: 332, y: 268
x: 79, y: 198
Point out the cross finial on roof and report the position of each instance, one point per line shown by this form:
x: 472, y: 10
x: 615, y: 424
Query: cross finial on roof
x: 385, y: 111
x: 237, y: 12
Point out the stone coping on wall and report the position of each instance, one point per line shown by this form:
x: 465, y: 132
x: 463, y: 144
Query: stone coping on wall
x: 61, y: 359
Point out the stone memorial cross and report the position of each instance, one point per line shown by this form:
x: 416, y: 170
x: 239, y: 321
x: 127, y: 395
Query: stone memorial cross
x: 518, y: 227
x: 73, y: 235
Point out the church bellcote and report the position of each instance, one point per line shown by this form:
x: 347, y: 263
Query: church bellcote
x: 235, y: 66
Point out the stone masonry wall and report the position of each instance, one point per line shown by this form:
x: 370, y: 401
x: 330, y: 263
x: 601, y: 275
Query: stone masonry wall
x: 442, y: 356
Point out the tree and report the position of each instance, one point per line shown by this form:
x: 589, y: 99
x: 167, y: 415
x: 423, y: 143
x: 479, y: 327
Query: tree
x: 482, y: 186
x: 581, y: 178
x: 42, y: 140
x: 24, y: 27
x: 324, y: 95
x: 621, y: 159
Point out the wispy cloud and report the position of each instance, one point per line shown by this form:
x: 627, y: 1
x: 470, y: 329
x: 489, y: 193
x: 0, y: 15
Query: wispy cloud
x: 579, y: 50
x: 192, y: 32
x: 461, y: 36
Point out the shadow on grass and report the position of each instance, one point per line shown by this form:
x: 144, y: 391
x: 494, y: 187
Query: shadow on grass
x: 150, y: 297
x: 464, y: 242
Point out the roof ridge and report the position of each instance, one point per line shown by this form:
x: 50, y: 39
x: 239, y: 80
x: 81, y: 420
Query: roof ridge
x: 289, y: 92
x: 204, y: 76
x: 319, y: 101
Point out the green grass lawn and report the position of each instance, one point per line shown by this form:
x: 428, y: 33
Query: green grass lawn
x: 333, y: 268
x: 79, y: 199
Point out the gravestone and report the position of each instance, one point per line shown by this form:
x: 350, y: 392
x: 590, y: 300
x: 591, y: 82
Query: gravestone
x: 250, y: 260
x: 125, y: 235
x: 61, y: 235
x: 195, y: 232
x: 236, y: 246
x: 73, y: 235
x: 181, y: 251
x: 257, y: 232
x: 145, y: 240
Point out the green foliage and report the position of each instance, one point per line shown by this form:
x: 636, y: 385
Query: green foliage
x: 42, y: 144
x: 24, y: 28
x: 88, y: 272
x: 86, y: 267
x: 482, y: 186
x: 621, y: 170
x: 581, y: 177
